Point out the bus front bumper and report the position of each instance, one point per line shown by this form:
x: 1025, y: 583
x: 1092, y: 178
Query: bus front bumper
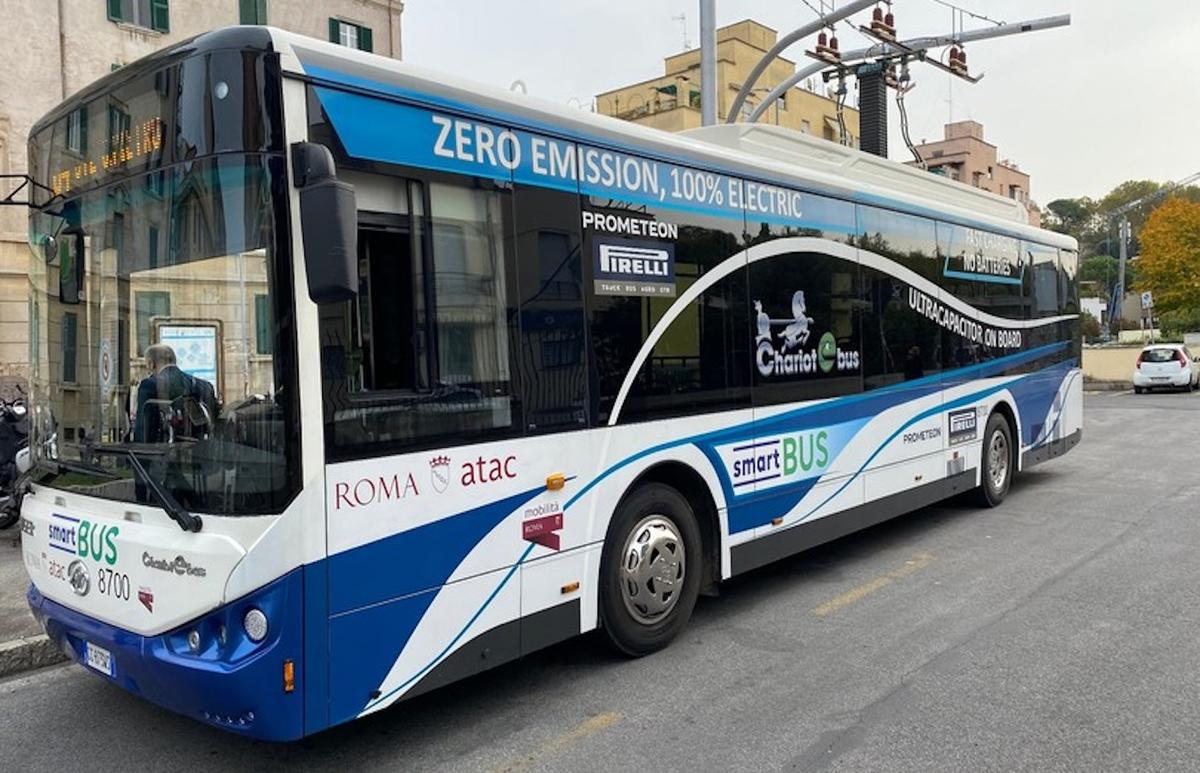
x: 226, y: 680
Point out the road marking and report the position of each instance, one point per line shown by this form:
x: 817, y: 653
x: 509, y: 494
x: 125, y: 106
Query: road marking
x: 561, y: 743
x: 912, y: 565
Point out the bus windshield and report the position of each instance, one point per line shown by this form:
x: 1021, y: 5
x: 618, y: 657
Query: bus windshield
x: 169, y: 353
x: 161, y: 300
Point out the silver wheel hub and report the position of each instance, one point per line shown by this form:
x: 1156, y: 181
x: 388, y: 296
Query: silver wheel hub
x: 652, y: 569
x: 997, y: 452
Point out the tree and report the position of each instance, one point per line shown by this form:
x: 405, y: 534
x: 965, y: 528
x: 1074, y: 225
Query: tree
x: 1071, y: 216
x: 1089, y: 325
x: 1103, y: 270
x: 1170, y: 262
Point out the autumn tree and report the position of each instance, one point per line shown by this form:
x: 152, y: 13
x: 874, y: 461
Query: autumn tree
x: 1170, y: 261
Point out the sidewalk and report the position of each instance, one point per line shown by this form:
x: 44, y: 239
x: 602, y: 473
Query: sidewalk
x: 23, y: 645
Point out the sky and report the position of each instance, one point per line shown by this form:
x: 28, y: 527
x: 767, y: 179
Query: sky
x: 1114, y: 96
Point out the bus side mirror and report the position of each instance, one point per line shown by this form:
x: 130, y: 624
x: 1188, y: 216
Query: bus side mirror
x: 328, y: 223
x: 70, y: 266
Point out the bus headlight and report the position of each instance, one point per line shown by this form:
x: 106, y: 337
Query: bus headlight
x: 255, y: 623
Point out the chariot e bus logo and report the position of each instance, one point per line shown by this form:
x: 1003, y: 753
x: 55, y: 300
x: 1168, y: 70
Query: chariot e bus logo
x: 439, y: 473
x: 97, y: 542
x: 783, y: 353
x: 178, y: 565
x: 77, y: 576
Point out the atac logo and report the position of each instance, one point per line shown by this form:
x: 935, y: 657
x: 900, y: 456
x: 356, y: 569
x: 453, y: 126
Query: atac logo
x: 788, y: 357
x: 439, y: 473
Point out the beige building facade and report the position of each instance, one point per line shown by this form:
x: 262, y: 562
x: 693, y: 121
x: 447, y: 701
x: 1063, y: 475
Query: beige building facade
x: 671, y: 101
x: 61, y: 47
x: 962, y: 154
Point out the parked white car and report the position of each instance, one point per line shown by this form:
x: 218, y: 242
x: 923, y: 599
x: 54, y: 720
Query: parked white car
x: 1166, y: 366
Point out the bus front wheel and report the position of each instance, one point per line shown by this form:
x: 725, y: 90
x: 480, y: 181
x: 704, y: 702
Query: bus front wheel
x: 996, y: 464
x: 650, y: 570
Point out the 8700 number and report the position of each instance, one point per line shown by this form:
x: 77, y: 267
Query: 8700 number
x: 113, y: 584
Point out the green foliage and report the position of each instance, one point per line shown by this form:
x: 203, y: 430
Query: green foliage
x: 1104, y: 270
x: 1089, y: 325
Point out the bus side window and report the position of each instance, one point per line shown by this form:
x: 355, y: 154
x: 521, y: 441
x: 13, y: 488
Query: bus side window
x: 700, y: 363
x: 983, y: 269
x: 550, y: 354
x: 804, y: 306
x: 421, y: 358
x: 899, y: 344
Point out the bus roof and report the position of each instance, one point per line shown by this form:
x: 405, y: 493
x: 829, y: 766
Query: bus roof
x: 757, y: 151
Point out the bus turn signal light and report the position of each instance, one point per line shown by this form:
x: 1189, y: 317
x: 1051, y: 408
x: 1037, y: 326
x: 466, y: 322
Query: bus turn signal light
x: 555, y: 481
x: 289, y: 676
x: 570, y: 587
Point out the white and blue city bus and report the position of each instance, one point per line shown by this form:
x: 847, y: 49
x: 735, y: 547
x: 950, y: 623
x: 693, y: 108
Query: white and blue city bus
x: 440, y: 375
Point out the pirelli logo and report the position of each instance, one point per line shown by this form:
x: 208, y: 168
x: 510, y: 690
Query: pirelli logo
x: 628, y: 267
x: 964, y: 425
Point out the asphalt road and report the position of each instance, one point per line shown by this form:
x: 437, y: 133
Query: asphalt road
x: 1058, y: 632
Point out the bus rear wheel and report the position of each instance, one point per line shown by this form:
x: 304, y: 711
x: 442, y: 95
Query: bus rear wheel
x: 996, y: 464
x: 650, y: 570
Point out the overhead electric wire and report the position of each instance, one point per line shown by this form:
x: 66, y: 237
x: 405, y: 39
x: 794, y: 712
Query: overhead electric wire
x: 962, y: 10
x: 847, y: 22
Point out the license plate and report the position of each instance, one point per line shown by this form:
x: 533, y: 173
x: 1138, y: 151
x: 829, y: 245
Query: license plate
x: 98, y: 658
x: 1158, y: 378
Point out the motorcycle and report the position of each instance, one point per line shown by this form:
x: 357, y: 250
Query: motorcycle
x: 15, y: 460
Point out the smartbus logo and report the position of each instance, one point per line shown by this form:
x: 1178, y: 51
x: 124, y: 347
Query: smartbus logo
x: 796, y: 456
x: 785, y: 458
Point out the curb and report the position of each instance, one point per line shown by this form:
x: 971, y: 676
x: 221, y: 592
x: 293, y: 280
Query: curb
x: 1107, y: 386
x: 27, y: 654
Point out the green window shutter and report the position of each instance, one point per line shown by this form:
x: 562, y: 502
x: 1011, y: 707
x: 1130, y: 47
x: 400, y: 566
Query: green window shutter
x: 114, y: 10
x: 334, y: 29
x: 263, y: 324
x: 69, y: 327
x: 364, y: 39
x: 252, y: 11
x: 147, y: 305
x: 160, y: 17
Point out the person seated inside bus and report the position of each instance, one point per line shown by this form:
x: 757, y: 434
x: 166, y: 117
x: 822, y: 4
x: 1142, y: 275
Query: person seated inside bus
x: 170, y: 402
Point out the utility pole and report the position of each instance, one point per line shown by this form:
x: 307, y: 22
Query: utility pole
x: 708, y: 62
x: 1123, y: 238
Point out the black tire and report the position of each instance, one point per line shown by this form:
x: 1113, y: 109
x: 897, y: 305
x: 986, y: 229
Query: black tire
x: 8, y: 518
x: 1138, y: 390
x: 994, y: 480
x: 641, y: 615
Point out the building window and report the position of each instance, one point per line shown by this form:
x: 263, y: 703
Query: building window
x: 937, y: 154
x: 252, y: 11
x: 152, y: 14
x: 351, y: 35
x: 262, y: 324
x: 70, y: 327
x: 805, y: 127
x: 77, y: 130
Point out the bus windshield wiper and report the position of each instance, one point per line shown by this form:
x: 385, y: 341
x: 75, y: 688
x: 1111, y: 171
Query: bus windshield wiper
x: 178, y: 512
x: 63, y: 465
